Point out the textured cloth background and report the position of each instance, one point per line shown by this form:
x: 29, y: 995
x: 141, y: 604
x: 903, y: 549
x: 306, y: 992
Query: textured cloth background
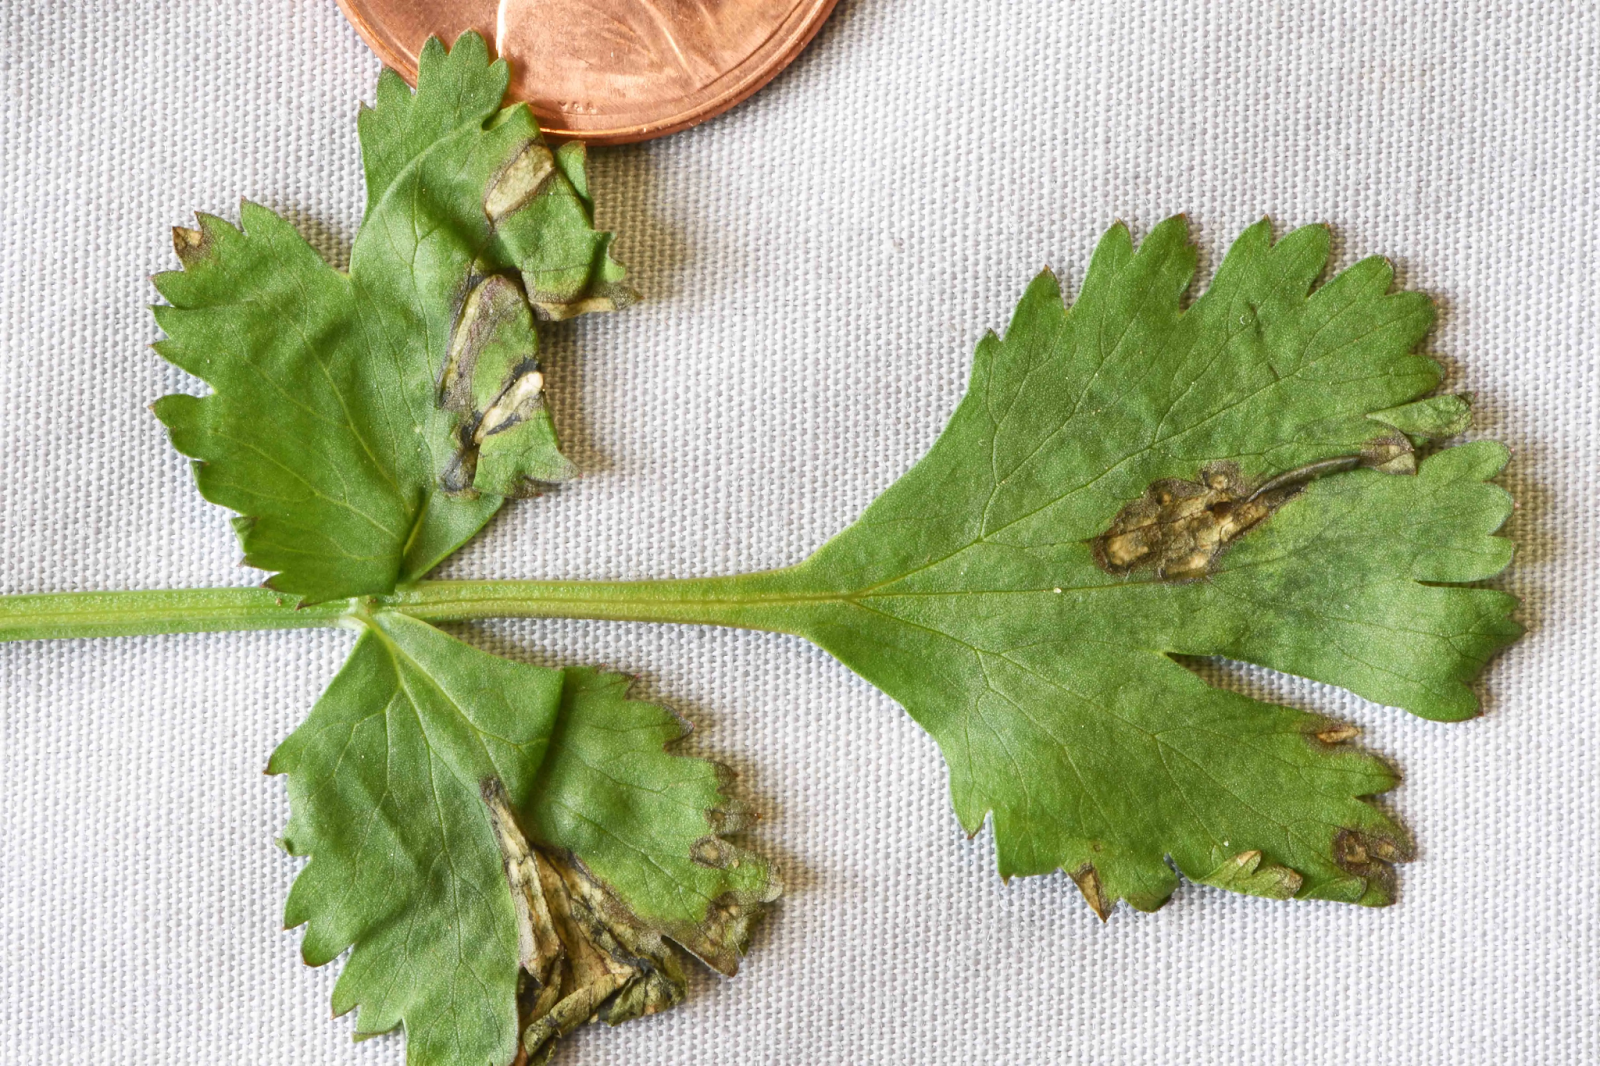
x: 817, y: 266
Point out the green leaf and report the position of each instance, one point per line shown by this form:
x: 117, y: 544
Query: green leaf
x: 1435, y: 418
x: 364, y: 425
x: 1128, y: 481
x: 494, y: 839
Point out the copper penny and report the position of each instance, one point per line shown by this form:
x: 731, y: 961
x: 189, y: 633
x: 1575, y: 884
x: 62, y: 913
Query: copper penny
x: 608, y: 71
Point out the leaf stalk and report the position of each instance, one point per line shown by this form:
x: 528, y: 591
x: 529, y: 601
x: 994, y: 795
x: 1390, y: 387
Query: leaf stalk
x: 70, y: 615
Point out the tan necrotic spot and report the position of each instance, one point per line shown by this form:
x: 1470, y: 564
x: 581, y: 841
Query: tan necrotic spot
x: 492, y: 305
x: 519, y: 182
x: 189, y: 244
x: 1087, y: 878
x: 490, y: 379
x: 556, y: 309
x: 1370, y: 857
x: 1178, y: 528
x: 585, y: 955
x: 713, y: 851
x: 1337, y: 733
x: 519, y: 401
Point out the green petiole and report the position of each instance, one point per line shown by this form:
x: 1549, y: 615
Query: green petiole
x: 68, y: 615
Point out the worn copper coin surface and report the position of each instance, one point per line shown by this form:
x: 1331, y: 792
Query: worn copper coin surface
x: 608, y: 71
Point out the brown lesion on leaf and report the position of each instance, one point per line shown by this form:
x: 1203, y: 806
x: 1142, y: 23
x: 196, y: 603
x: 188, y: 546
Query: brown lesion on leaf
x: 494, y: 318
x: 1390, y: 455
x: 714, y: 852
x: 609, y: 967
x: 1087, y: 878
x: 585, y: 955
x: 1363, y: 853
x: 1179, y: 528
x: 516, y: 404
x: 1336, y: 733
x: 519, y: 181
x: 191, y: 245
x: 1371, y: 857
x: 1252, y: 873
x: 535, y: 931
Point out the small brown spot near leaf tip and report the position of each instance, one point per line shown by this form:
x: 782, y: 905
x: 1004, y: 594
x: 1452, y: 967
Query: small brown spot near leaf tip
x: 1337, y: 733
x: 1087, y: 878
x: 713, y: 852
x: 1371, y: 857
x: 190, y: 244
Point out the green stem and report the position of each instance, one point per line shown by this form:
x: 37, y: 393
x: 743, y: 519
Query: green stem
x: 732, y: 601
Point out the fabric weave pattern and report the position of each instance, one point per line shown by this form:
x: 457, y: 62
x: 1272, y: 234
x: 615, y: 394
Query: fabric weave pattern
x: 816, y: 267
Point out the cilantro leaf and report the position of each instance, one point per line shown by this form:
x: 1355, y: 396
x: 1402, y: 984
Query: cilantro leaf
x: 364, y: 425
x: 494, y: 839
x: 1127, y: 481
x: 507, y: 852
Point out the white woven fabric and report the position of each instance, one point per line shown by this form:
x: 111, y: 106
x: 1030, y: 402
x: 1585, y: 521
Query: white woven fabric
x: 818, y: 265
